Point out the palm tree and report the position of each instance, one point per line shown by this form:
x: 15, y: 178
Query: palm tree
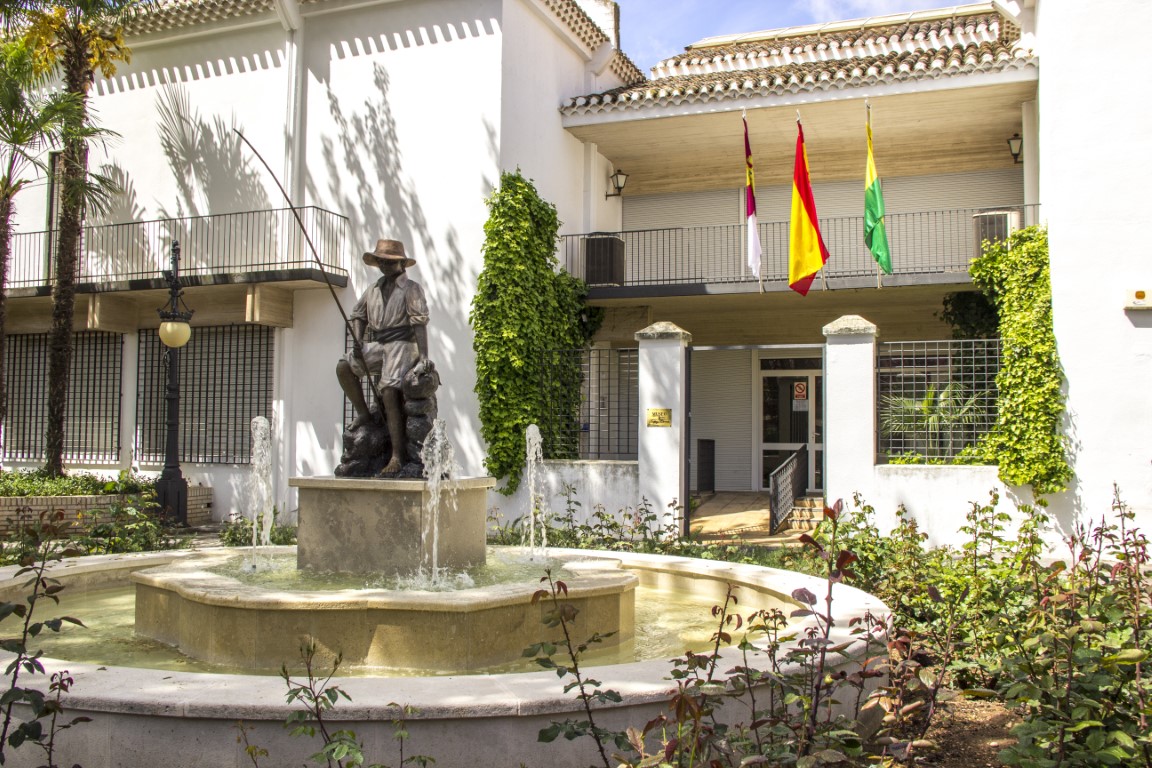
x: 30, y: 123
x: 932, y: 418
x: 75, y: 39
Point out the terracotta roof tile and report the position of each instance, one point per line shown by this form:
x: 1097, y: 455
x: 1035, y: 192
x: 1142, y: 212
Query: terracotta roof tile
x: 775, y: 64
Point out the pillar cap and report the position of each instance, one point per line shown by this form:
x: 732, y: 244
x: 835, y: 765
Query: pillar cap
x: 663, y: 330
x: 850, y: 325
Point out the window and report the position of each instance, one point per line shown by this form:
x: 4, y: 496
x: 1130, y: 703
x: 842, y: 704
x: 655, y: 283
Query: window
x: 92, y: 420
x: 226, y: 377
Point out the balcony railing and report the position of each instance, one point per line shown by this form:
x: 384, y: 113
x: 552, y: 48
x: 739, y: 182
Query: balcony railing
x: 921, y: 244
x: 223, y: 244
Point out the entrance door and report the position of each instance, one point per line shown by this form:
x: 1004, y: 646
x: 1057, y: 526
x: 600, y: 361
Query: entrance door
x: 791, y: 417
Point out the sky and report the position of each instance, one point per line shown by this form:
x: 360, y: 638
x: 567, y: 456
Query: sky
x: 652, y: 30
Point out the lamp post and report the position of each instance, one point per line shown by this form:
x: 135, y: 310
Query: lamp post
x: 171, y: 487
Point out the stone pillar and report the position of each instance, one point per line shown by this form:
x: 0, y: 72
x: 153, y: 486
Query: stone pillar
x: 849, y: 408
x: 663, y: 390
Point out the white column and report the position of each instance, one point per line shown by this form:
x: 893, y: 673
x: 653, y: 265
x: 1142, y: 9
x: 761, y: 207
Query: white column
x: 129, y: 389
x: 663, y: 388
x: 849, y: 408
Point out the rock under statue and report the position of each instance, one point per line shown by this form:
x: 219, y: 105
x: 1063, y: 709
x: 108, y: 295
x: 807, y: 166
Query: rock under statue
x: 389, y: 325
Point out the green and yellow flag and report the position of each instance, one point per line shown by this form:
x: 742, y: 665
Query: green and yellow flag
x: 875, y: 237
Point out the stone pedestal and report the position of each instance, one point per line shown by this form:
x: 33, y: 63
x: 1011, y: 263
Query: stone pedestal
x: 353, y: 525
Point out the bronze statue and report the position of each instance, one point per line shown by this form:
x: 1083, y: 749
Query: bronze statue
x: 390, y: 322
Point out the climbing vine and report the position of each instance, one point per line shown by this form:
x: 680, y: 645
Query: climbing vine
x: 1026, y: 442
x: 524, y: 310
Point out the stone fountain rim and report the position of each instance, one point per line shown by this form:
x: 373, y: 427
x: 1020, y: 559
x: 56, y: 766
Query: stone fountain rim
x: 331, y: 482
x: 164, y: 693
x: 191, y: 581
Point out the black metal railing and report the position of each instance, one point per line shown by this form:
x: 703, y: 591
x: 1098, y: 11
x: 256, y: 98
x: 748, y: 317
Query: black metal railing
x: 592, y: 397
x: 925, y: 243
x: 225, y: 381
x: 92, y: 418
x: 787, y: 483
x: 935, y: 398
x: 229, y: 243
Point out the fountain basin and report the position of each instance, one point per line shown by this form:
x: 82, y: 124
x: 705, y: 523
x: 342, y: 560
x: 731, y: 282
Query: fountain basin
x: 219, y: 619
x: 362, y: 525
x: 144, y: 717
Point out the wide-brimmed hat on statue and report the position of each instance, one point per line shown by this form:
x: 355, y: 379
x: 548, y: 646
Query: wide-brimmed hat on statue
x: 390, y: 250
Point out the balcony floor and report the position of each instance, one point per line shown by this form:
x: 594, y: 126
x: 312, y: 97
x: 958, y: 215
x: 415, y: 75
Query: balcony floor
x: 781, y: 316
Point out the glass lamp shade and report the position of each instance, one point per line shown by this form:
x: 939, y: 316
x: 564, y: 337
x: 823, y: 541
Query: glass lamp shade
x: 175, y: 333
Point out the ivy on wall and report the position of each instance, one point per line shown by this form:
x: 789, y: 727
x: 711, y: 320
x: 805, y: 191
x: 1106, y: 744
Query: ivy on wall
x: 524, y: 307
x: 1026, y: 442
x: 972, y: 315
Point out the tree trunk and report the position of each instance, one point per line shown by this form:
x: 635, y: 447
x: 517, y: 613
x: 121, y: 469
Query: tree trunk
x: 77, y: 77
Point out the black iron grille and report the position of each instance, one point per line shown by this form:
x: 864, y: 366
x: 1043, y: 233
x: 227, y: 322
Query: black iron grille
x: 92, y: 420
x: 226, y: 375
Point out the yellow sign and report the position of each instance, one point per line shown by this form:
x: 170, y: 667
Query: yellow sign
x: 659, y: 417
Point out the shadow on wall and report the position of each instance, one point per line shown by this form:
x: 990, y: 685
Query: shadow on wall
x: 367, y: 182
x: 214, y: 171
x: 214, y: 174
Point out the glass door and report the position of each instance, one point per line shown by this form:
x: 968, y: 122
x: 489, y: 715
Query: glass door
x: 791, y: 417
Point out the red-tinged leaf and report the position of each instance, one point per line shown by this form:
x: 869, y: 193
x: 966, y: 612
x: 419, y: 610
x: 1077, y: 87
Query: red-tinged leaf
x: 934, y: 594
x: 538, y: 595
x: 804, y: 596
x: 658, y: 720
x: 845, y: 559
x: 562, y: 587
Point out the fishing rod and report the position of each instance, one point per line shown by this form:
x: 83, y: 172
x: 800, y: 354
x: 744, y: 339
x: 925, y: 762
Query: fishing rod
x: 357, y: 348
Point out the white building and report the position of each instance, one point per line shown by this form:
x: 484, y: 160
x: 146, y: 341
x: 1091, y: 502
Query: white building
x: 399, y: 117
x: 385, y: 119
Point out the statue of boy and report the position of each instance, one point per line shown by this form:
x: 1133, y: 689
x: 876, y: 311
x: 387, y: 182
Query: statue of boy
x: 391, y: 323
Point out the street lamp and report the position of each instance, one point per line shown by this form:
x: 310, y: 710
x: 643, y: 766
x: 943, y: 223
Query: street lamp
x: 172, y: 488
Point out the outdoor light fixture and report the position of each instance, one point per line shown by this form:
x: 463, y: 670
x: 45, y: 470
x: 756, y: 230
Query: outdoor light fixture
x: 618, y: 179
x: 171, y: 487
x: 1015, y: 146
x: 174, y: 316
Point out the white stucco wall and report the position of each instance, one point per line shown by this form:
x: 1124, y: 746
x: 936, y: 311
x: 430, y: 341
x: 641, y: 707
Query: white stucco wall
x: 939, y: 497
x: 541, y: 69
x: 613, y: 485
x: 409, y: 113
x: 1095, y: 201
x: 403, y: 137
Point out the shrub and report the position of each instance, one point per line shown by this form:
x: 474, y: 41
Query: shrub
x: 238, y: 532
x: 37, y: 482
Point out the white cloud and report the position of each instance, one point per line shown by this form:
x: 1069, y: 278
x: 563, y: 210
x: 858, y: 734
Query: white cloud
x: 836, y: 10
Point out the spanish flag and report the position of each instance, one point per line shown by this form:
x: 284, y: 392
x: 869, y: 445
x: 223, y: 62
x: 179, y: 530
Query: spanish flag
x: 875, y: 236
x: 806, y: 250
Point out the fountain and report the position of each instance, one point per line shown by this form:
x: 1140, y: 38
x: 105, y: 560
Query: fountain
x: 393, y: 525
x: 375, y: 526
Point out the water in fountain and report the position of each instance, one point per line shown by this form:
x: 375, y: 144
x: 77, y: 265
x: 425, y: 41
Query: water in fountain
x: 260, y: 492
x: 533, y: 463
x: 440, y: 468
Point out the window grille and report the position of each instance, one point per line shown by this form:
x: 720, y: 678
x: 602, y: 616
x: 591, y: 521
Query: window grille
x: 92, y: 418
x: 226, y: 375
x: 592, y: 400
x: 936, y: 398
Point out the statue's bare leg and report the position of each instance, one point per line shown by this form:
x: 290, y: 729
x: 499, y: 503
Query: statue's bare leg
x: 395, y: 417
x: 350, y: 383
